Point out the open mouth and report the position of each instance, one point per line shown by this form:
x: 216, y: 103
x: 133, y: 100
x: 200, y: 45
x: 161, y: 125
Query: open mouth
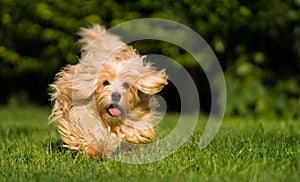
x: 114, y: 110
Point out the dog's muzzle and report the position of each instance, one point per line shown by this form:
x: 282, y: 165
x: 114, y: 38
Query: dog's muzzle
x: 114, y: 109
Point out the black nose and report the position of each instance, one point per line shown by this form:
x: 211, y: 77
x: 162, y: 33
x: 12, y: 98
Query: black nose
x: 115, y: 96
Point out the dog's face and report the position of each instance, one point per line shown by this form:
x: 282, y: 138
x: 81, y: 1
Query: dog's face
x: 124, y: 87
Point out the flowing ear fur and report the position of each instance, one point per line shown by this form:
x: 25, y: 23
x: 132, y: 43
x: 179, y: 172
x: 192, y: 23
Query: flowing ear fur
x: 152, y: 82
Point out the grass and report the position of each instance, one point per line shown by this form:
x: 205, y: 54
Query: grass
x: 243, y: 150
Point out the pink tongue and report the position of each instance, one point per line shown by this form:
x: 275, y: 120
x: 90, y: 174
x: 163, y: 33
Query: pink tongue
x: 114, y: 112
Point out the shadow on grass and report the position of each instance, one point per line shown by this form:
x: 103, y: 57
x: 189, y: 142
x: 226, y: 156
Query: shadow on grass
x: 57, y: 146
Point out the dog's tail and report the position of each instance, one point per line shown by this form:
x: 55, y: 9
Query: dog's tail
x: 95, y: 38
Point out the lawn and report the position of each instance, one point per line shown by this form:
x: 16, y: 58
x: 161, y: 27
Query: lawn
x: 243, y: 150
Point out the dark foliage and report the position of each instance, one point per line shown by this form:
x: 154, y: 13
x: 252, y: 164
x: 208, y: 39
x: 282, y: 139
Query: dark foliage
x: 257, y: 44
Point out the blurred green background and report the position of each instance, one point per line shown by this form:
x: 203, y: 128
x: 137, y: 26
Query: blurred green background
x: 256, y: 42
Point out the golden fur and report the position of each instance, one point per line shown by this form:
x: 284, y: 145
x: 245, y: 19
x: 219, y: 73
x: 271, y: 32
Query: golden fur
x: 89, y: 117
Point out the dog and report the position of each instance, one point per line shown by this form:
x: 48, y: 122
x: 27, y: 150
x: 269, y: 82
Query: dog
x: 107, y: 98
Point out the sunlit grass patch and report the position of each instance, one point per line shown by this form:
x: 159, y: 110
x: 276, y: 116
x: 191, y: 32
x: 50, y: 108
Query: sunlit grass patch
x: 243, y: 150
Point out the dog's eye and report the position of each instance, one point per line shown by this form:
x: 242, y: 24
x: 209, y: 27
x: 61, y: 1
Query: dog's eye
x: 105, y: 83
x: 126, y: 85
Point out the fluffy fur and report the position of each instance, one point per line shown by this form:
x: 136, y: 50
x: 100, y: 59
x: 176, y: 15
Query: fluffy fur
x: 106, y: 99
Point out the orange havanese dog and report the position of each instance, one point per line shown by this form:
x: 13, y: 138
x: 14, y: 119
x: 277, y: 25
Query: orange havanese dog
x: 106, y: 99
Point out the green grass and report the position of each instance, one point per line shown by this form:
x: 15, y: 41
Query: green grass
x: 243, y: 150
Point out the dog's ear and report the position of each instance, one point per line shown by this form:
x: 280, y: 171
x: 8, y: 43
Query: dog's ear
x: 152, y: 82
x: 84, y: 81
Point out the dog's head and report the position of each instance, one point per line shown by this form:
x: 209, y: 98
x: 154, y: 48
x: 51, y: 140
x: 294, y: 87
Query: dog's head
x: 126, y: 87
